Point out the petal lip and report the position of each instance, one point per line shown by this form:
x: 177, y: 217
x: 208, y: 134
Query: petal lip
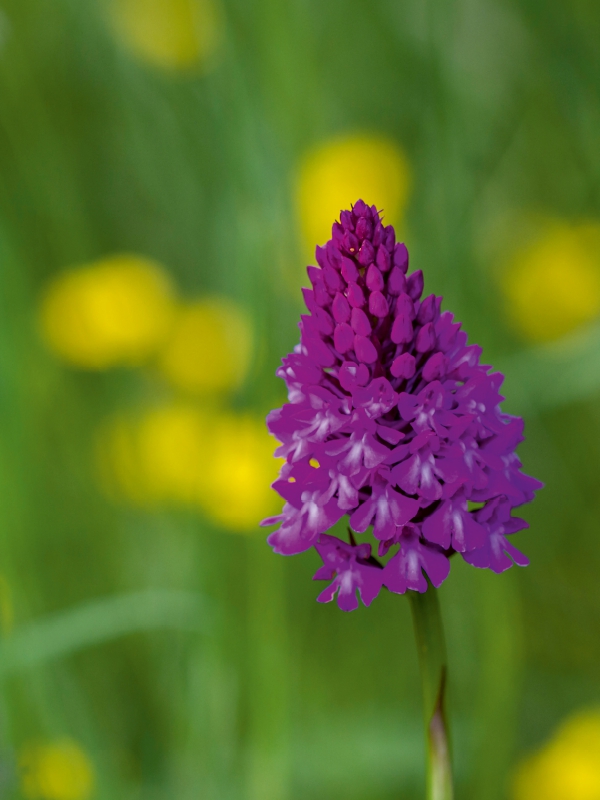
x: 353, y: 573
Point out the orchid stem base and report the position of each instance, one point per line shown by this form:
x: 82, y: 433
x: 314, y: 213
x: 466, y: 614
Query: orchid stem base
x: 431, y: 646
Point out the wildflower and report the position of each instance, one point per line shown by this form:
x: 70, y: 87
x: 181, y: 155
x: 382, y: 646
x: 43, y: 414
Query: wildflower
x: 156, y: 460
x: 181, y: 456
x: 553, y: 285
x: 59, y: 770
x: 402, y: 421
x: 209, y: 347
x: 170, y: 34
x: 114, y: 311
x: 239, y: 468
x: 351, y: 568
x: 339, y: 170
x: 567, y: 767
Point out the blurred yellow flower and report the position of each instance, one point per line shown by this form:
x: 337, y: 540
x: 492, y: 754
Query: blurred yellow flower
x: 171, y: 34
x: 157, y: 459
x: 553, y: 285
x: 209, y: 348
x: 567, y: 767
x: 114, y: 311
x: 182, y: 456
x: 172, y: 452
x: 236, y: 489
x: 340, y: 171
x: 59, y: 770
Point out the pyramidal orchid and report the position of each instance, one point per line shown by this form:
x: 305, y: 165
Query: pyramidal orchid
x: 393, y: 421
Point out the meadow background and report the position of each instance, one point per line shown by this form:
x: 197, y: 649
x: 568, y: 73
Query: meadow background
x: 166, y: 168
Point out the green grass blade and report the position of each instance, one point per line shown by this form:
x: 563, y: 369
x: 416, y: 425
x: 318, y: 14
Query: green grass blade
x: 99, y: 621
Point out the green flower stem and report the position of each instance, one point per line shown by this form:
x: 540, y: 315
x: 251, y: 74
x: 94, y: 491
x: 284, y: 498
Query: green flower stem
x: 431, y: 647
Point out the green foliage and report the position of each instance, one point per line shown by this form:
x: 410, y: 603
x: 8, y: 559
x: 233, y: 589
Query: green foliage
x: 188, y: 661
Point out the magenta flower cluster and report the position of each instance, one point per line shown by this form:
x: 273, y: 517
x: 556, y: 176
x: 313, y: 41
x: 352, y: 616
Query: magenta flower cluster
x: 392, y: 420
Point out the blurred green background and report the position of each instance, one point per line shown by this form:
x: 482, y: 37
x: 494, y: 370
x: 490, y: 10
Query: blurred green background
x: 165, y: 168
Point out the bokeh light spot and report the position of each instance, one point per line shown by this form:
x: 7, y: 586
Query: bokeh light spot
x: 236, y: 492
x: 111, y: 312
x: 59, y: 770
x: 567, y: 767
x: 553, y: 285
x: 209, y: 348
x: 181, y: 456
x: 171, y: 34
x: 338, y: 172
x: 156, y: 459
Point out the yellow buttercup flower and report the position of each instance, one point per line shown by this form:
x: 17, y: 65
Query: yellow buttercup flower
x: 209, y: 348
x: 236, y: 489
x: 158, y: 459
x: 171, y: 34
x: 114, y: 311
x: 182, y: 456
x: 553, y: 285
x: 567, y: 767
x: 172, y: 452
x: 59, y: 770
x: 340, y: 171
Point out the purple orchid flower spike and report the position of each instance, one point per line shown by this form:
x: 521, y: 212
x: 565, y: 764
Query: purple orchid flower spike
x: 393, y: 421
x: 352, y: 570
x: 390, y: 401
